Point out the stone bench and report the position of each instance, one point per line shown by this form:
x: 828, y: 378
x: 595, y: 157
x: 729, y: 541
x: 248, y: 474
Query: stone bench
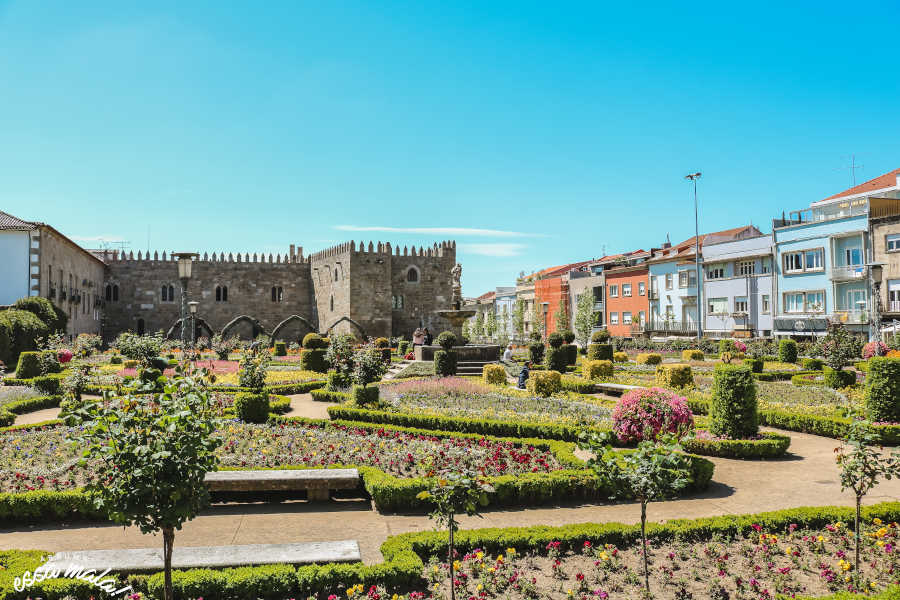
x: 317, y: 482
x: 207, y: 557
x: 615, y: 388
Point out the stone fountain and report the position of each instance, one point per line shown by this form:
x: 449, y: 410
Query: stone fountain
x: 455, y: 314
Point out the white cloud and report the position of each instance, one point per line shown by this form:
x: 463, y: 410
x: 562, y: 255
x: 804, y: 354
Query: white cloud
x: 497, y: 249
x: 440, y: 231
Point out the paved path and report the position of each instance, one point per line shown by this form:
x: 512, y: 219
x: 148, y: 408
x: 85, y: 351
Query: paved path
x: 807, y: 477
x: 302, y: 405
x: 37, y: 416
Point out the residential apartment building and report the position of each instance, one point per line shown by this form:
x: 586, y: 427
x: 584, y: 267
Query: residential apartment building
x: 38, y: 260
x: 525, y: 297
x: 737, y: 287
x: 589, y: 280
x: 627, y: 292
x: 505, y: 305
x: 674, y: 307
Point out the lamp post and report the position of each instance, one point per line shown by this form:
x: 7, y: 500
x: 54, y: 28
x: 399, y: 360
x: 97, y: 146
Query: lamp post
x: 192, y: 306
x: 875, y: 269
x: 185, y: 263
x: 694, y: 177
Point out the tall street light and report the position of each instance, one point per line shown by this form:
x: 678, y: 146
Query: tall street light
x: 185, y: 263
x: 694, y: 177
x: 875, y: 269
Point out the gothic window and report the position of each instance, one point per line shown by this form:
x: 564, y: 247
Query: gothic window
x: 412, y: 275
x: 115, y: 293
x: 332, y: 304
x: 221, y: 293
x: 140, y: 327
x: 108, y: 293
x: 277, y: 294
x: 335, y: 274
x: 168, y: 293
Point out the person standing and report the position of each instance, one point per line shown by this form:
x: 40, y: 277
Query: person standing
x: 507, y: 355
x: 428, y: 337
x: 523, y: 374
x: 418, y: 337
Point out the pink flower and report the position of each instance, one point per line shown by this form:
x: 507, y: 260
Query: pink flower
x: 64, y: 355
x: 643, y: 414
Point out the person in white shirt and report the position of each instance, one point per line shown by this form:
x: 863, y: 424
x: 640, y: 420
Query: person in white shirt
x: 507, y: 356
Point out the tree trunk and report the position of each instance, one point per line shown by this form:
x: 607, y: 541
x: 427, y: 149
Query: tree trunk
x: 856, y: 539
x: 450, y: 559
x: 644, y: 543
x: 168, y: 542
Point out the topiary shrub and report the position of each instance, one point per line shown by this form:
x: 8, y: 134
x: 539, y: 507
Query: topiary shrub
x: 313, y: 360
x: 336, y: 381
x: 838, y: 378
x: 313, y: 341
x: 556, y: 359
x: 402, y: 347
x: 621, y: 357
x: 54, y: 318
x: 536, y: 352
x: 22, y: 328
x: 600, y: 337
x: 555, y: 339
x: 130, y: 364
x: 676, y: 375
x: 648, y: 358
x: 692, y: 354
x: 643, y: 414
x: 364, y: 395
x: 494, y: 375
x: 49, y: 385
x: 811, y: 364
x: 280, y: 349
x: 571, y: 351
x: 447, y: 340
x: 445, y: 363
x: 727, y: 346
x: 569, y: 336
x: 732, y: 408
x: 883, y: 390
x: 600, y: 352
x: 595, y: 369
x: 252, y: 408
x: 29, y: 365
x: 756, y: 364
x: 787, y: 351
x: 544, y: 383
x: 115, y: 360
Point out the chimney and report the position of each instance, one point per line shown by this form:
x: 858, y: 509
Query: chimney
x: 292, y: 253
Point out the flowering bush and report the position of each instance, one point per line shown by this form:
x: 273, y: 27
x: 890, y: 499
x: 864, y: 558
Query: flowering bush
x: 874, y: 349
x: 643, y: 414
x: 64, y: 356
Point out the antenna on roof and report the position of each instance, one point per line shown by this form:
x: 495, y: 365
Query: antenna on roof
x: 852, y: 168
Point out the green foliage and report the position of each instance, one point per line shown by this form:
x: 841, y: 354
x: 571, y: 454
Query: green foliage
x: 280, y: 349
x: 382, y: 343
x: 364, y: 396
x: 692, y: 354
x: 840, y: 346
x: 326, y: 395
x: 727, y: 345
x: 368, y: 364
x: 733, y: 408
x: 674, y: 375
x: 883, y: 389
x: 571, y: 351
x: 600, y: 351
x: 337, y: 382
x: 314, y: 360
x: 596, y: 369
x: 787, y: 351
x: 518, y: 318
x: 29, y: 365
x: 142, y: 348
x: 584, y: 318
x: 811, y: 364
x: 253, y: 367
x: 339, y: 355
x: 556, y: 359
x: 54, y: 318
x: 447, y: 340
x: 650, y: 358
x: 600, y: 337
x: 543, y: 383
x: 620, y: 357
x: 22, y: 329
x: 313, y: 341
x: 838, y: 378
x: 571, y: 383
x: 769, y: 445
x: 48, y: 385
x: 252, y: 407
x: 555, y: 339
x: 445, y: 363
x: 402, y: 347
x: 223, y: 346
x: 756, y: 364
x: 536, y: 352
x: 494, y: 375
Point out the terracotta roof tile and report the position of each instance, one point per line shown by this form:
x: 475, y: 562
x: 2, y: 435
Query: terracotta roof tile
x: 9, y: 222
x: 881, y: 182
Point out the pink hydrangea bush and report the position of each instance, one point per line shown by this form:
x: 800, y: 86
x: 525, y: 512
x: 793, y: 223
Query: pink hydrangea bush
x: 64, y: 356
x: 645, y: 413
x: 874, y: 349
x: 740, y: 346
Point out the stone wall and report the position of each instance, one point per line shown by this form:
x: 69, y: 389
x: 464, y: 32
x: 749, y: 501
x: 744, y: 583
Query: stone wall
x: 890, y: 259
x: 71, y: 278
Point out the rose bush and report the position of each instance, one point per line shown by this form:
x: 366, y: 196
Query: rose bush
x: 643, y: 414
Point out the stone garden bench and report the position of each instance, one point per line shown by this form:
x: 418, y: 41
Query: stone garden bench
x: 615, y: 388
x: 318, y: 483
x: 207, y: 557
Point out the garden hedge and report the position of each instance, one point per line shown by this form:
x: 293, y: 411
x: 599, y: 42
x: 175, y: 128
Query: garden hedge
x: 406, y: 555
x: 787, y: 351
x: 445, y: 363
x: 688, y: 355
x: 674, y: 375
x: 733, y: 409
x: 543, y: 383
x: 284, y: 389
x: 600, y: 352
x: 780, y: 375
x: 595, y: 369
x: 536, y: 352
x: 769, y: 445
x: 280, y: 349
x: 252, y: 407
x: 838, y: 378
x: 648, y: 358
x: 572, y: 383
x: 9, y: 410
x: 322, y: 395
x: 883, y: 389
x: 756, y: 364
x: 621, y: 357
x: 493, y: 374
x: 556, y: 359
x: 313, y: 359
x: 19, y: 330
x: 811, y: 364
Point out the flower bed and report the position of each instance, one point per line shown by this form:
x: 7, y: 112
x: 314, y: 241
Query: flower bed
x: 799, y: 552
x: 766, y: 445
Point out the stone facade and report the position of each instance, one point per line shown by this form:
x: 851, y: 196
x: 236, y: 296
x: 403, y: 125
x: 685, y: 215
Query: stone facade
x: 364, y: 290
x: 885, y: 233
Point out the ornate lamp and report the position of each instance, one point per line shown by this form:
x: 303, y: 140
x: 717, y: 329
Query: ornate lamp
x: 185, y: 263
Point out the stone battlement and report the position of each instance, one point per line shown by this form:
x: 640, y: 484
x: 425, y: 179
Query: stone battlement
x: 384, y: 249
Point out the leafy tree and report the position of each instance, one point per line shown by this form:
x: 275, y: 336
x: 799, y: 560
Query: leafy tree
x: 490, y: 323
x: 538, y: 326
x: 151, y: 454
x: 467, y: 329
x: 452, y: 494
x: 561, y: 316
x: 584, y: 317
x: 862, y: 463
x: 253, y: 367
x: 518, y: 318
x: 142, y: 348
x: 339, y: 355
x: 504, y: 321
x: 839, y: 346
x: 654, y: 471
x: 478, y: 328
x: 368, y: 365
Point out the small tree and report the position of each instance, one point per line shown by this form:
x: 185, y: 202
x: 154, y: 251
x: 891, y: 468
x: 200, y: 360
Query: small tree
x: 862, y: 464
x: 839, y: 346
x: 452, y: 494
x: 490, y: 323
x: 368, y: 365
x: 151, y: 454
x: 561, y: 316
x: 478, y: 326
x: 538, y: 326
x: 253, y: 367
x: 339, y: 355
x: 654, y: 471
x: 518, y: 317
x: 503, y: 323
x: 584, y: 318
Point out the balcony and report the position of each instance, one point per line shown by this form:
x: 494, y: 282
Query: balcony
x: 850, y: 317
x: 654, y: 294
x: 671, y: 327
x: 893, y: 306
x: 848, y: 273
x: 598, y: 306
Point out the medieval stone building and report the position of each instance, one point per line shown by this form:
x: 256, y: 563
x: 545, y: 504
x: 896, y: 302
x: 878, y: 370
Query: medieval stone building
x: 367, y: 290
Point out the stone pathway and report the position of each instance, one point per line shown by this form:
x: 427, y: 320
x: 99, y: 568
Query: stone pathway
x: 302, y: 405
x: 806, y: 477
x: 37, y: 416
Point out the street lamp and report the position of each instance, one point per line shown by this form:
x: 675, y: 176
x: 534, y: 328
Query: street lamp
x: 875, y: 269
x: 694, y: 177
x: 185, y: 264
x: 192, y: 306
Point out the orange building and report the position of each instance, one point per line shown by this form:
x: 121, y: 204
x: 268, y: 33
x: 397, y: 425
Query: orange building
x: 627, y: 294
x: 551, y: 289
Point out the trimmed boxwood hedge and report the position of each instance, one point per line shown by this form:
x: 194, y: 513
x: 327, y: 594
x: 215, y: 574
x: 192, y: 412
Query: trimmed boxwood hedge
x: 323, y: 395
x: 781, y: 375
x: 9, y: 410
x: 770, y: 445
x: 284, y: 389
x: 406, y: 555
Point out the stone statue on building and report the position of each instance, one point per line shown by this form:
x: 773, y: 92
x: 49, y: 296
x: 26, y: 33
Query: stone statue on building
x: 455, y: 276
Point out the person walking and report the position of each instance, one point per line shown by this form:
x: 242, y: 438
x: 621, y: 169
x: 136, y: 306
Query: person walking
x: 418, y: 337
x: 523, y: 374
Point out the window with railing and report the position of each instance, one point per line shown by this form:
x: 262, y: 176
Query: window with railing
x: 804, y: 302
x: 626, y: 290
x: 804, y: 261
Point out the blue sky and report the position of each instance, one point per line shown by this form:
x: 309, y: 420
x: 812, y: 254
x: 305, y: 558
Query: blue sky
x: 533, y: 133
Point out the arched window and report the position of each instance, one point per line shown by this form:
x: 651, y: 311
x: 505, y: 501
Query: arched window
x: 221, y: 293
x: 412, y: 275
x: 115, y: 293
x: 274, y: 293
x: 108, y: 293
x: 218, y: 293
x: 140, y: 327
x: 399, y: 301
x: 335, y: 274
x: 168, y: 293
x: 277, y: 293
x: 224, y: 293
x: 332, y: 304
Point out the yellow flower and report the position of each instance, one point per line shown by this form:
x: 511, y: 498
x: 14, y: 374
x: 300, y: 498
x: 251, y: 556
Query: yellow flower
x: 511, y: 551
x: 820, y: 539
x: 876, y: 521
x: 456, y: 565
x: 500, y: 559
x: 492, y: 570
x: 787, y: 550
x: 479, y: 555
